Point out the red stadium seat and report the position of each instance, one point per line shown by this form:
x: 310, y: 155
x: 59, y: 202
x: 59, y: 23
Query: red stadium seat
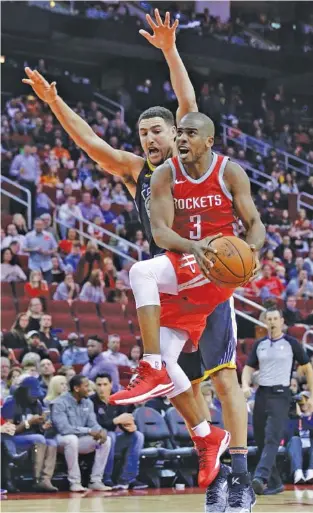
x: 23, y: 259
x: 19, y: 289
x: 22, y: 304
x: 59, y: 307
x: 18, y: 353
x: 91, y: 323
x: 297, y: 332
x: 124, y: 372
x: 54, y: 355
x: 6, y: 289
x: 7, y: 303
x: 83, y: 308
x: 7, y: 219
x: 110, y: 309
x: 7, y: 319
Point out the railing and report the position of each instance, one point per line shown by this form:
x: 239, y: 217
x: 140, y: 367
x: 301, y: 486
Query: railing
x: 110, y: 106
x: 307, y: 204
x: 304, y: 340
x: 247, y: 141
x: 256, y: 176
x: 84, y: 234
x: 247, y: 316
x: 27, y: 203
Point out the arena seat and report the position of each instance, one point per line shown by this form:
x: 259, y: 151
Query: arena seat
x: 6, y: 289
x: 54, y: 355
x: 124, y: 372
x: 297, y: 332
x: 57, y: 307
x: 81, y: 308
x: 177, y: 427
x: 7, y: 319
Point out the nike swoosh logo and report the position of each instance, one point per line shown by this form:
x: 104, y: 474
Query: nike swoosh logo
x: 179, y: 181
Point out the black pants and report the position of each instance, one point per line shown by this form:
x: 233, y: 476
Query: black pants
x: 270, y: 415
x: 31, y: 186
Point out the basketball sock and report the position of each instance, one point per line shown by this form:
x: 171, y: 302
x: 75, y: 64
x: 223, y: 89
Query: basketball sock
x: 203, y: 429
x: 154, y: 360
x: 239, y: 459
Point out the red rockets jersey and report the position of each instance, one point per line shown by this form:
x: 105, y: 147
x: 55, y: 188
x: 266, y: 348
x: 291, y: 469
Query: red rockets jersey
x: 203, y: 207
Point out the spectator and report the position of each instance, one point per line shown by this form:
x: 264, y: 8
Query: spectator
x: 130, y: 215
x: 15, y: 338
x: 12, y: 236
x: 50, y: 340
x: 268, y: 285
x: 9, y: 270
x: 47, y: 225
x: 127, y: 439
x: 79, y: 432
x: 74, y: 257
x: 14, y: 377
x: 68, y: 290
x: 286, y: 243
x: 30, y: 366
x: 90, y: 261
x: 107, y: 215
x: 57, y: 386
x: 98, y: 364
x: 5, y: 370
x: 66, y: 244
x: 34, y: 345
x: 291, y: 314
x: 57, y: 270
x: 44, y: 205
x: 300, y: 287
x: 34, y: 313
x: 294, y: 385
x: 36, y: 287
x: 118, y: 194
x: 289, y: 263
x: 20, y: 224
x: 59, y: 151
x: 68, y: 214
x: 88, y: 209
x: 289, y: 186
x: 25, y: 411
x: 73, y: 180
x: 74, y: 355
x: 109, y: 272
x: 269, y: 259
x: 124, y: 273
x: 46, y: 373
x: 26, y: 171
x: 270, y: 216
x: 308, y: 263
x: 68, y: 371
x: 301, y: 441
x: 113, y: 353
x: 134, y: 356
x: 93, y: 289
x: 41, y: 246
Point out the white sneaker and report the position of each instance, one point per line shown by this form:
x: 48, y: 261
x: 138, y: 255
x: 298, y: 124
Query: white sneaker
x: 298, y: 477
x: 100, y: 487
x: 77, y: 487
x: 309, y: 476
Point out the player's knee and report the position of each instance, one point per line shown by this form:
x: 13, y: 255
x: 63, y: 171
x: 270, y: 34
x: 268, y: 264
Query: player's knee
x: 135, y: 272
x: 226, y: 382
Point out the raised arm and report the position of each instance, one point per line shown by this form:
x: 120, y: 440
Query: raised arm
x: 117, y: 162
x: 164, y: 37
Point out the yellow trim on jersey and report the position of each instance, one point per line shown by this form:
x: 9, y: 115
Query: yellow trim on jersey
x: 151, y: 167
x: 207, y: 373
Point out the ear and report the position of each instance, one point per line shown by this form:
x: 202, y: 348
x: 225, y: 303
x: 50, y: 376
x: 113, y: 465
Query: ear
x: 173, y: 131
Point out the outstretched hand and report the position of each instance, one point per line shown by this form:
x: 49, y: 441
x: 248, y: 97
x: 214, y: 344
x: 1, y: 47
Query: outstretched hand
x: 45, y: 91
x: 164, y: 35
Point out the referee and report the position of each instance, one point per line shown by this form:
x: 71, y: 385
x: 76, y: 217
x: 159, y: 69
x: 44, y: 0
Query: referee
x: 274, y: 355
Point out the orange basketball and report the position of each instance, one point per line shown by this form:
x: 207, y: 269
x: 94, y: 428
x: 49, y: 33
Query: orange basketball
x: 233, y: 263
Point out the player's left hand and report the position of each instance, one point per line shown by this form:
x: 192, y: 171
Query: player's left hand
x: 164, y: 35
x: 200, y: 249
x: 257, y: 266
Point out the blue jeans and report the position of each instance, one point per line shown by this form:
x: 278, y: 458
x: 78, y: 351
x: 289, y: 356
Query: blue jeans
x: 132, y: 444
x: 25, y: 442
x: 295, y: 453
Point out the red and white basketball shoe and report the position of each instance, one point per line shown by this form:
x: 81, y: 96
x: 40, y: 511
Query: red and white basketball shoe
x: 209, y: 449
x: 148, y: 383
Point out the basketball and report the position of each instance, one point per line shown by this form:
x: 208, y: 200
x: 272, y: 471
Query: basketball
x: 233, y: 264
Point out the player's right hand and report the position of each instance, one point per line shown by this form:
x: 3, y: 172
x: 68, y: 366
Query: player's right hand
x: 45, y: 91
x: 164, y: 35
x: 200, y: 249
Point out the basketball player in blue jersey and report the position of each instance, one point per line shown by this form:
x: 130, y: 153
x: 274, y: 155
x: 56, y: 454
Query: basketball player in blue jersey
x: 157, y: 134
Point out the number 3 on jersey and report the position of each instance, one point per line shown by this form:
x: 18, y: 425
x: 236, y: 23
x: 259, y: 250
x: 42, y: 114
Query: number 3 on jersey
x: 195, y: 234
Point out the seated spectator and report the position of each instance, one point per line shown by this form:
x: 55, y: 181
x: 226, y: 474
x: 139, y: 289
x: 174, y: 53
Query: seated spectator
x: 57, y: 386
x: 15, y: 338
x: 88, y: 209
x: 269, y: 259
x: 34, y: 345
x: 301, y: 441
x: 127, y: 439
x: 308, y: 263
x: 134, y: 356
x: 300, y: 287
x: 48, y: 225
x: 118, y: 296
x: 289, y: 186
x: 113, y: 353
x: 74, y: 256
x: 14, y: 377
x: 270, y: 216
x: 5, y: 370
x: 68, y: 371
x: 41, y: 246
x: 12, y: 235
x: 46, y: 373
x: 68, y: 213
x: 9, y: 270
x: 93, y: 290
x: 273, y: 238
x: 98, y: 364
x: 20, y: 224
x: 109, y: 272
x: 289, y: 264
x: 124, y: 273
x: 59, y: 151
x: 34, y: 313
x: 294, y: 386
x: 66, y: 245
x: 44, y: 205
x: 36, y: 287
x: 90, y: 261
x: 73, y: 180
x: 51, y: 177
x: 57, y: 271
x: 24, y: 410
x: 291, y: 314
x: 74, y: 355
x: 118, y: 194
x: 30, y: 365
x: 107, y: 215
x: 68, y: 290
x: 79, y: 432
x: 130, y: 215
x: 50, y: 340
x: 268, y: 285
x: 285, y: 221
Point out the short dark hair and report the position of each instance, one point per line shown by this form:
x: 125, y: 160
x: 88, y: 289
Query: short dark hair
x: 76, y: 381
x: 274, y: 309
x: 96, y: 338
x: 102, y: 376
x: 158, y: 112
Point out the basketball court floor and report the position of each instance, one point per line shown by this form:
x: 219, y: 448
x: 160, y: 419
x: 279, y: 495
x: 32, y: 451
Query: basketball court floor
x: 296, y: 500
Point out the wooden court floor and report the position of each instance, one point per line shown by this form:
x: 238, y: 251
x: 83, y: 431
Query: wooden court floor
x: 165, y: 500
